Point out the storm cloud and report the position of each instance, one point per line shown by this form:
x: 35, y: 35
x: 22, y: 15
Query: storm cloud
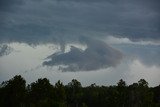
x: 36, y: 21
x: 65, y: 21
x: 96, y: 56
x: 8, y: 5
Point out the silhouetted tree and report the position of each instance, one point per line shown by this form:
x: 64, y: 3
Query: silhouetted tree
x: 156, y: 91
x: 13, y: 92
x: 60, y: 95
x: 122, y: 93
x: 41, y: 93
x: 140, y: 94
x: 74, y: 93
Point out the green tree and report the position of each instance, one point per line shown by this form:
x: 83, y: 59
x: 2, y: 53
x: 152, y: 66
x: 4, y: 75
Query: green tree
x: 13, y: 92
x: 156, y: 91
x: 146, y: 96
x: 142, y: 83
x: 121, y: 83
x: 41, y: 93
x: 122, y: 93
x: 60, y: 95
x: 140, y: 94
x: 74, y: 93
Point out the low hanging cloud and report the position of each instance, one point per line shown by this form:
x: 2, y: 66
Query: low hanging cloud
x: 96, y: 56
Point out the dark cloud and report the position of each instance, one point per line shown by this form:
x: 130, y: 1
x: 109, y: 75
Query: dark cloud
x: 51, y: 20
x: 64, y: 21
x: 5, y: 50
x: 97, y: 55
x: 8, y: 5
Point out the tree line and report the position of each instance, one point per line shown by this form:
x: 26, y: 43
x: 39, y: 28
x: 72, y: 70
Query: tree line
x: 15, y: 93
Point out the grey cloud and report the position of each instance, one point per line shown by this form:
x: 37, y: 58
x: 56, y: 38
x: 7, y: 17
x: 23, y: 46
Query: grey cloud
x: 5, y: 50
x: 52, y: 20
x: 97, y: 55
x: 8, y: 5
x: 148, y: 55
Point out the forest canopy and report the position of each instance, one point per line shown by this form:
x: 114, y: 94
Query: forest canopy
x: 15, y: 93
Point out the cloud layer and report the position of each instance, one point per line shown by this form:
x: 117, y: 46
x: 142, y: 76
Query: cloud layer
x: 35, y: 21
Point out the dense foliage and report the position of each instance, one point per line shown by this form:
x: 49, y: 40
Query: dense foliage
x: 15, y: 93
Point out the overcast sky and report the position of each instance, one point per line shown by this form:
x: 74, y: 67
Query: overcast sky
x: 107, y: 38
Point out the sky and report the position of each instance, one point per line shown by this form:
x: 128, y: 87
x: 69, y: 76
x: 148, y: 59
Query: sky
x: 93, y: 41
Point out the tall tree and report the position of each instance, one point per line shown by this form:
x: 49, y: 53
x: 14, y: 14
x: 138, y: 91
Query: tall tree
x: 122, y: 93
x: 41, y: 93
x: 60, y: 95
x: 74, y: 93
x: 146, y: 96
x: 13, y: 92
